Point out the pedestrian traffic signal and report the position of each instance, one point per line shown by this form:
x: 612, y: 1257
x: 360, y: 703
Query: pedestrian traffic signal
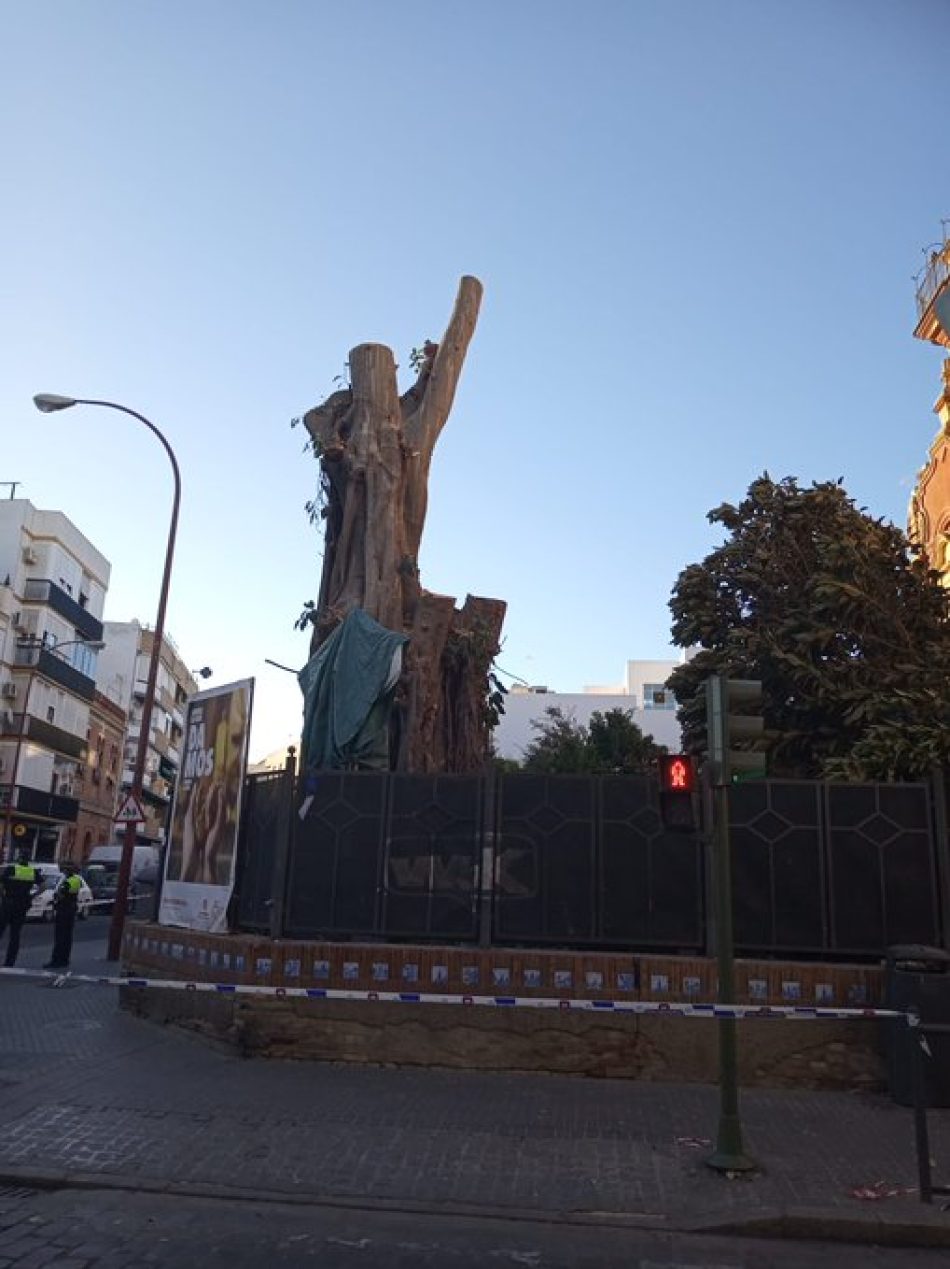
x: 677, y: 788
x: 735, y: 729
x: 676, y: 773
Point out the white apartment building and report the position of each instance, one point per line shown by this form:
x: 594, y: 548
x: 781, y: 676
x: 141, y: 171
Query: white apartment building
x: 124, y: 663
x: 642, y: 693
x: 53, y: 585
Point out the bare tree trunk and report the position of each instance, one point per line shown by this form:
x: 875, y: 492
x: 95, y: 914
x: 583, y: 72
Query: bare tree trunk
x: 375, y: 449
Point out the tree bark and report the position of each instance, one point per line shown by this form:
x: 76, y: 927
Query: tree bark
x: 375, y: 449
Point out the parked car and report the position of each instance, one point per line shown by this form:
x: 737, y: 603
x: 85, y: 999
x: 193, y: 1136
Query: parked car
x: 41, y: 909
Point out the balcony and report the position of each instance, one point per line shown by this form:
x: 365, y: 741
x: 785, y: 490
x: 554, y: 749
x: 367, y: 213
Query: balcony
x: 932, y: 286
x: 53, y: 667
x: 45, y: 734
x: 44, y: 806
x: 156, y: 796
x: 43, y: 591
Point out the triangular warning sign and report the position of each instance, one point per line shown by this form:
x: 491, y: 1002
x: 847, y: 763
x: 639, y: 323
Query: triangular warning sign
x: 129, y: 812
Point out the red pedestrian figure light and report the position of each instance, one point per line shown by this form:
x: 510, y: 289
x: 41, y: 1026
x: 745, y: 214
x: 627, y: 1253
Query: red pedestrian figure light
x: 677, y: 784
x: 676, y: 773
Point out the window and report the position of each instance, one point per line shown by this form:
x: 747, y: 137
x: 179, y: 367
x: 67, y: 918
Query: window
x: 657, y: 696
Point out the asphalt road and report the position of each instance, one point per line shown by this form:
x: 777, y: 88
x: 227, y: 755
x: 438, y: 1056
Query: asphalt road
x: 123, y: 1230
x: 90, y: 940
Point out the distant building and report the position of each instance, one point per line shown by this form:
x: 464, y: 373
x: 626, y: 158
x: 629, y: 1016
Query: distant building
x: 53, y: 584
x: 124, y: 664
x: 643, y: 694
x: 929, y: 515
x: 274, y: 761
x: 98, y: 786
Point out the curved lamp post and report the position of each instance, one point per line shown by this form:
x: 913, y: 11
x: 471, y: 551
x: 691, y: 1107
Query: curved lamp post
x: 47, y: 403
x: 95, y: 645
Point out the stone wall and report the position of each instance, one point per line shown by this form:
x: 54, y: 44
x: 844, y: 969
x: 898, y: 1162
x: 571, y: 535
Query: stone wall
x: 776, y: 1053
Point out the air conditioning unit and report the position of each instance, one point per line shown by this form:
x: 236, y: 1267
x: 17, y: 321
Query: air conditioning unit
x: 29, y: 555
x: 8, y: 690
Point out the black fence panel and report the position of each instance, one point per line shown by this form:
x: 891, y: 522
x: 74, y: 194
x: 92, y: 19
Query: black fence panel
x: 834, y: 870
x: 433, y: 857
x: 882, y: 866
x: 650, y: 882
x: 584, y: 860
x: 545, y: 867
x: 334, y: 877
x: 778, y: 874
x: 261, y: 819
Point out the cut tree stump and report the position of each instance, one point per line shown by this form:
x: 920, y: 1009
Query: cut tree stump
x: 375, y: 448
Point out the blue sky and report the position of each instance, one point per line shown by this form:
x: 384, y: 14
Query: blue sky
x: 696, y: 223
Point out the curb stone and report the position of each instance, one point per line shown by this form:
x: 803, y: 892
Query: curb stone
x: 927, y: 1229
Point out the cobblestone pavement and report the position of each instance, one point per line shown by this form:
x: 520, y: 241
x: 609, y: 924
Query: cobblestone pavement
x: 89, y: 1089
x: 106, y: 1230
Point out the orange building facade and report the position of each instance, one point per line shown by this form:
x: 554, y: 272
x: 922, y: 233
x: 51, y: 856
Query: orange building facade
x: 929, y: 515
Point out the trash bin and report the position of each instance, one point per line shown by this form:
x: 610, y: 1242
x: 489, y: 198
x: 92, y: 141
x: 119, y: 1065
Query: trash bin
x: 918, y: 978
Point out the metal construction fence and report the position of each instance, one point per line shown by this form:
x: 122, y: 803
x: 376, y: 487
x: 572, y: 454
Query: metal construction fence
x: 586, y: 861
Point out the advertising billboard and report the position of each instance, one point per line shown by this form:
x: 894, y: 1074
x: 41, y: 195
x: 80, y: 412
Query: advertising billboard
x: 203, y: 835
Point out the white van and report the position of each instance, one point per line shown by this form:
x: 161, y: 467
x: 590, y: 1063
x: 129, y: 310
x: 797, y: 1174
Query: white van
x: 145, y: 861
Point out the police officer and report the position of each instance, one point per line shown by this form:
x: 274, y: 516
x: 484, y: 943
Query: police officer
x: 18, y: 882
x: 65, y: 903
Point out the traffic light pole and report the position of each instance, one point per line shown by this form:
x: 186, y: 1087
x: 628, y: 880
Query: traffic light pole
x: 729, y: 1155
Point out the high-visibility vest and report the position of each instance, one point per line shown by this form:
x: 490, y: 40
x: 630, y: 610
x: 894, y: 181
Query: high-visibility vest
x: 24, y: 872
x: 71, y: 885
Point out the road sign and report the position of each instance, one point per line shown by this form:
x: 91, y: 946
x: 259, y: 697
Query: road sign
x: 130, y: 812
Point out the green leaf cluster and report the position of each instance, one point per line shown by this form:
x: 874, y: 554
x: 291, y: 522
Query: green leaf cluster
x: 612, y: 744
x: 848, y: 631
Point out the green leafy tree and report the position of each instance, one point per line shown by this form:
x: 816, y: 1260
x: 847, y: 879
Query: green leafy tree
x: 612, y: 744
x: 846, y: 629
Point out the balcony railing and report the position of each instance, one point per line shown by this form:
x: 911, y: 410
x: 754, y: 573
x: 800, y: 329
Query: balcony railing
x: 43, y: 591
x: 60, y: 671
x: 935, y: 277
x: 54, y: 667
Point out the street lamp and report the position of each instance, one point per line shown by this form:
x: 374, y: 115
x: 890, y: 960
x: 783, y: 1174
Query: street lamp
x: 48, y: 403
x: 95, y: 645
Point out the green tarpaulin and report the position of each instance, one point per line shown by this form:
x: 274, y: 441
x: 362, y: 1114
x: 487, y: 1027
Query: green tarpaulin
x: 348, y: 687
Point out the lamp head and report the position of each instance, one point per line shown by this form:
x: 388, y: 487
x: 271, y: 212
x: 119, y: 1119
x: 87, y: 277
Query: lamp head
x: 49, y: 402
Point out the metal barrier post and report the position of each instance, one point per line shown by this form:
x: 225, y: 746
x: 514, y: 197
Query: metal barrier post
x: 914, y: 1039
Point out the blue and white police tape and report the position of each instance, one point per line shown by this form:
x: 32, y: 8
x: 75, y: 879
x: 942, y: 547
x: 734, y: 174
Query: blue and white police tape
x: 681, y: 1009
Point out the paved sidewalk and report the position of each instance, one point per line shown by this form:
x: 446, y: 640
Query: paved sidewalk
x: 91, y: 1093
